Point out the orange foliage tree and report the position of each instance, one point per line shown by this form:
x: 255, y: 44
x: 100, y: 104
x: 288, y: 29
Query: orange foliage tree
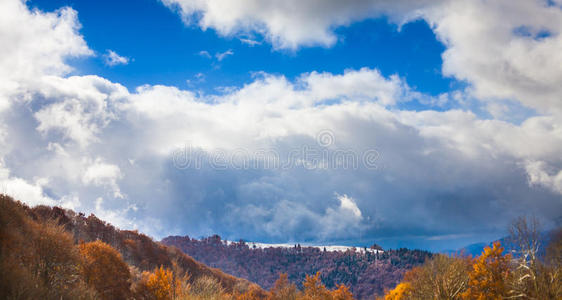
x: 160, y: 282
x: 252, y: 293
x: 38, y: 259
x: 342, y: 293
x: 313, y: 289
x: 283, y: 289
x: 105, y: 270
x: 490, y: 274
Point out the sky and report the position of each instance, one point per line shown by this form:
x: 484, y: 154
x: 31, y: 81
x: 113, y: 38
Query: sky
x: 420, y: 124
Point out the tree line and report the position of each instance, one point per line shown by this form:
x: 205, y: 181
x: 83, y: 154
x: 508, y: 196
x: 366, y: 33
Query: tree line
x: 495, y: 274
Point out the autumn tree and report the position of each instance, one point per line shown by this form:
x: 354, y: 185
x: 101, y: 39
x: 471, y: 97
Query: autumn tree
x: 283, y: 289
x: 252, y: 293
x: 105, y: 270
x: 38, y: 259
x: 208, y: 288
x: 401, y: 292
x: 534, y: 278
x: 158, y: 284
x: 313, y: 289
x: 490, y: 275
x: 441, y: 277
x: 550, y: 281
x: 341, y: 292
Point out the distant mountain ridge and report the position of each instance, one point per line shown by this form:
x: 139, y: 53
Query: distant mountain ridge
x: 477, y: 248
x: 366, y: 273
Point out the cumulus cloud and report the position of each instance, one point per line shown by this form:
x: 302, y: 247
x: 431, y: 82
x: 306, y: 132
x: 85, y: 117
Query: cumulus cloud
x: 288, y: 24
x: 540, y: 175
x: 486, y: 47
x: 81, y: 106
x: 70, y: 140
x: 476, y: 164
x: 111, y: 58
x: 35, y: 43
x: 347, y: 203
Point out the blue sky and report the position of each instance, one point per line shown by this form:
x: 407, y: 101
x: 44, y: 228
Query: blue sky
x: 165, y: 51
x: 451, y: 111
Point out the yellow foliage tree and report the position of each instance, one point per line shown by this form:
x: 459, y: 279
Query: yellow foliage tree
x: 400, y: 292
x: 490, y: 274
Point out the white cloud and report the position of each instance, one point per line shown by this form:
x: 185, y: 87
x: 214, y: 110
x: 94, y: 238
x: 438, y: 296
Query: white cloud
x: 286, y: 219
x: 539, y: 175
x: 18, y: 188
x: 36, y: 43
x: 485, y: 47
x: 286, y: 24
x: 83, y: 106
x: 70, y: 202
x: 117, y: 217
x: 103, y: 174
x: 111, y: 58
x: 250, y: 42
x: 204, y: 53
x: 219, y: 56
x: 347, y: 203
x: 222, y: 55
x: 364, y: 84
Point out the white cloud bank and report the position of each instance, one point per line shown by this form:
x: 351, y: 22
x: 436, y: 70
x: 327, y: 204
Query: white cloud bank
x: 71, y: 139
x: 286, y: 24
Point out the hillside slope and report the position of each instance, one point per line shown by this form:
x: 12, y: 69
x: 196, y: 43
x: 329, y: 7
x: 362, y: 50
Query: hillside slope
x: 22, y: 225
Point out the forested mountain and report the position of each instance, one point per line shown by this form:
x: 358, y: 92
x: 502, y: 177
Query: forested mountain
x: 365, y: 273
